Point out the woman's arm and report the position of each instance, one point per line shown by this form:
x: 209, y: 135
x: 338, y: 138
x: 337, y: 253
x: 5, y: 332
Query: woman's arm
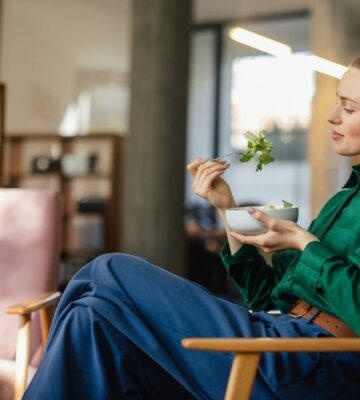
x: 284, y: 239
x: 209, y: 185
x: 253, y: 276
x: 326, y: 272
x: 245, y: 265
x: 330, y: 281
x: 234, y: 244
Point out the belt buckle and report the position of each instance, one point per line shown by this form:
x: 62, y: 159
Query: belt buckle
x: 293, y: 315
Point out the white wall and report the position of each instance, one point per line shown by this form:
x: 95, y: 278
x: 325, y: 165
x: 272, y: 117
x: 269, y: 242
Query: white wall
x: 47, y: 48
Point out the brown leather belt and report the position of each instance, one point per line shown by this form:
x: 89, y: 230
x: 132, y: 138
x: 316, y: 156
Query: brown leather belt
x: 333, y: 325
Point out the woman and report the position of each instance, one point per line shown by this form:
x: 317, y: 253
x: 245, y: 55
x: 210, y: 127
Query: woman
x: 118, y: 328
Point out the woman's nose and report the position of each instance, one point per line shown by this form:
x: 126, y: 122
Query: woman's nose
x: 334, y: 118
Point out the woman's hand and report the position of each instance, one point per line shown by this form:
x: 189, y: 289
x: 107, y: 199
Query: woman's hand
x: 208, y: 183
x: 281, y: 234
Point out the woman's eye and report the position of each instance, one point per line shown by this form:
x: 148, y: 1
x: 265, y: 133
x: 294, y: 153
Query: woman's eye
x: 348, y: 110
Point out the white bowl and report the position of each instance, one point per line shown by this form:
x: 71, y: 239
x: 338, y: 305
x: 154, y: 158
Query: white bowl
x: 239, y: 219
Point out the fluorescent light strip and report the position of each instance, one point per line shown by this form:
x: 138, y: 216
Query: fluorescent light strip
x: 279, y: 49
x: 259, y: 42
x: 327, y: 67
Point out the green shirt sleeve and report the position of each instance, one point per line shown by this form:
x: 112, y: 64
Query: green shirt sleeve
x: 253, y: 277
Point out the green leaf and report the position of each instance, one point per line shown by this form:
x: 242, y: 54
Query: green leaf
x: 246, y: 157
x: 270, y: 207
x: 262, y: 133
x: 287, y: 204
x: 251, y: 137
x: 258, y: 148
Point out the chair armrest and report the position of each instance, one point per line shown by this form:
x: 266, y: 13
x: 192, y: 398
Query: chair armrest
x: 248, y: 351
x: 39, y: 302
x: 259, y: 345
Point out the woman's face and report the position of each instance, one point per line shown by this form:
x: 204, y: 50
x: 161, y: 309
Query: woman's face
x: 345, y: 117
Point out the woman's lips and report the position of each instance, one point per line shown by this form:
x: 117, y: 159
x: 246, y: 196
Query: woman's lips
x: 336, y: 135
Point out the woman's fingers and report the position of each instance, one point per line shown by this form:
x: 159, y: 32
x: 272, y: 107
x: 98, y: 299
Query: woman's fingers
x: 262, y: 240
x: 201, y: 163
x: 209, y: 167
x: 259, y: 241
x: 280, y: 235
x: 194, y: 165
x: 254, y: 240
x: 207, y: 172
x: 201, y: 188
x: 262, y: 217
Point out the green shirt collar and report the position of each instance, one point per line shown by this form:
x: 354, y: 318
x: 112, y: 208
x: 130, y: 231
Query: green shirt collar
x: 354, y: 179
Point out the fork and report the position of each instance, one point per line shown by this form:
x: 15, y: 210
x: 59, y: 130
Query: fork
x: 227, y: 155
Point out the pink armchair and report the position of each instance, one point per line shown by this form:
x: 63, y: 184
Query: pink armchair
x: 30, y: 237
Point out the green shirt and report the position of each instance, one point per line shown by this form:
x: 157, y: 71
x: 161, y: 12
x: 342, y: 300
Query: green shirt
x: 326, y: 274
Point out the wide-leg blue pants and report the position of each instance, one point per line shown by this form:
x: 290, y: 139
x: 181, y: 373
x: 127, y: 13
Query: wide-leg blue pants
x: 117, y: 335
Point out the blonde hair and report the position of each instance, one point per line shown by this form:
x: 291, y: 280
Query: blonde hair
x: 355, y: 63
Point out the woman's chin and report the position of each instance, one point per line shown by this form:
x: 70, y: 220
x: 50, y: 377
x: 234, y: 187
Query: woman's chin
x: 345, y: 152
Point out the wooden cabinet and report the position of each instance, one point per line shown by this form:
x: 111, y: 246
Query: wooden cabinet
x: 87, y: 171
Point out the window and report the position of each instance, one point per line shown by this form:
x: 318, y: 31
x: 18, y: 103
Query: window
x: 274, y: 94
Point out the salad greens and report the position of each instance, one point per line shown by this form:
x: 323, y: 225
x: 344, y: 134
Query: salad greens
x: 270, y: 207
x: 286, y: 204
x: 258, y: 147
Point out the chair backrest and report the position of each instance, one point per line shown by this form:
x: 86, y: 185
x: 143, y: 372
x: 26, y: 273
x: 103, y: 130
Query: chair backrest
x: 30, y: 238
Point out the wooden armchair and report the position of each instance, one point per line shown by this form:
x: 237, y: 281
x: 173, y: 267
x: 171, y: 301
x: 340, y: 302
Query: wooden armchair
x: 25, y: 310
x: 30, y: 223
x: 248, y: 352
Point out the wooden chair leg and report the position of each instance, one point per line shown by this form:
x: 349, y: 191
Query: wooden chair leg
x: 242, y: 376
x: 44, y: 324
x: 22, y: 357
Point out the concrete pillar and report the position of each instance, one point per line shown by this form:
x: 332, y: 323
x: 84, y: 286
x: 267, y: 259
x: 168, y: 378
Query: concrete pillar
x: 328, y: 40
x: 155, y: 159
x: 2, y: 131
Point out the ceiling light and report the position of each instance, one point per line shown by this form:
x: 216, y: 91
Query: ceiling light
x: 279, y: 49
x: 259, y: 42
x: 326, y: 66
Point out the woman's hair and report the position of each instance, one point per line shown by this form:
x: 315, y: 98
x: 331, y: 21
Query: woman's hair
x: 355, y: 63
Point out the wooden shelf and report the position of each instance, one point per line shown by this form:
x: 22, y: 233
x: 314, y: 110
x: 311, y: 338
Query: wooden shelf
x: 85, y: 235
x: 25, y: 175
x: 60, y: 175
x: 87, y: 176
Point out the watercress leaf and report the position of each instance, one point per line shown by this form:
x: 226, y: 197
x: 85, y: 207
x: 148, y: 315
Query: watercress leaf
x: 246, y: 157
x: 250, y: 136
x: 262, y: 133
x: 287, y: 204
x: 259, y: 148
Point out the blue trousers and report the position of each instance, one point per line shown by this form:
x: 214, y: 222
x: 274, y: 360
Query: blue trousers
x: 117, y: 334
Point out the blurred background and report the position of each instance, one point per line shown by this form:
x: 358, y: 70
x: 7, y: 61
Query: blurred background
x: 108, y: 100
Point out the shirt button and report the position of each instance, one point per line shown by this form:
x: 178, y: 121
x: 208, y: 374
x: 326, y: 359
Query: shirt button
x: 289, y: 277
